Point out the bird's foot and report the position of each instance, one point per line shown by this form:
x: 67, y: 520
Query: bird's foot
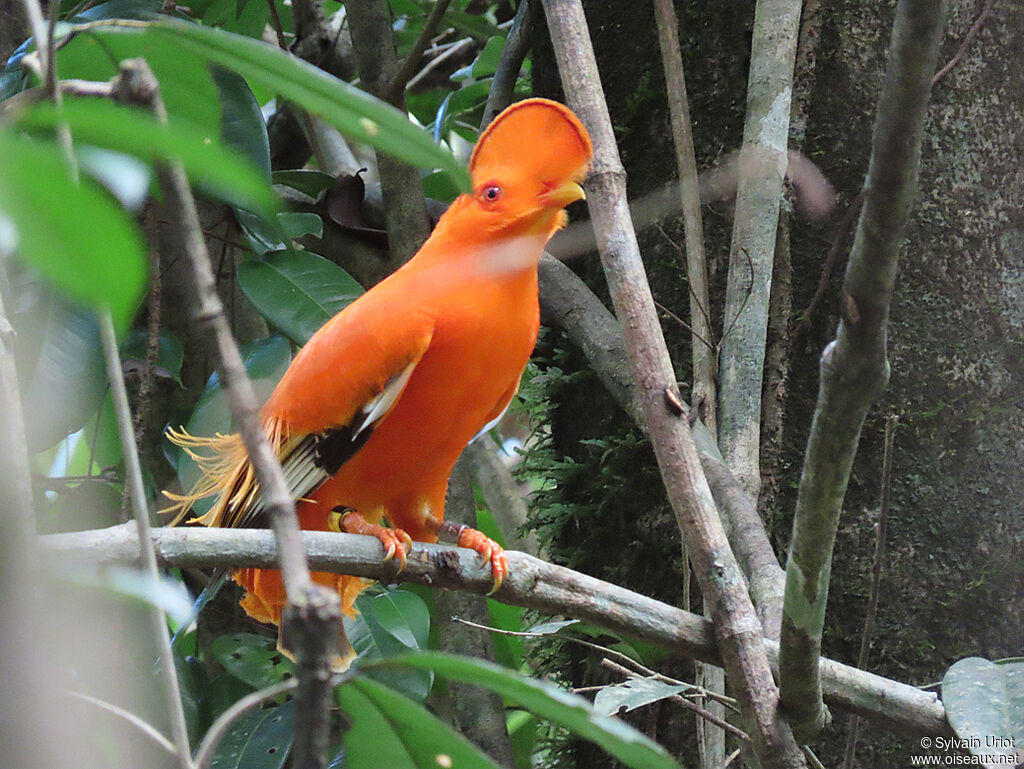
x: 491, y: 551
x: 397, y: 543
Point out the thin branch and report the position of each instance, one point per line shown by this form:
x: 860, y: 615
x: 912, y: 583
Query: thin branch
x: 142, y: 725
x: 968, y: 38
x: 434, y: 63
x: 220, y: 727
x: 517, y: 44
x: 704, y: 357
x: 705, y: 714
x: 531, y: 583
x: 881, y: 529
x: 313, y: 613
x: 137, y: 490
x: 402, y: 77
x: 854, y: 367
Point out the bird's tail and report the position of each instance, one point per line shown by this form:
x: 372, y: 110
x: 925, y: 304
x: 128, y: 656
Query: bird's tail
x: 226, y: 471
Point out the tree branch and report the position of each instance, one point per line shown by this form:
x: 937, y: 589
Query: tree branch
x: 313, y: 613
x: 705, y: 365
x: 737, y: 627
x: 396, y: 88
x: 854, y: 367
x: 531, y: 583
x: 762, y: 169
x: 517, y: 44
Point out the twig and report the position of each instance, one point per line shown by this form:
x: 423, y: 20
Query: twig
x: 831, y: 261
x: 697, y: 338
x: 275, y: 22
x: 705, y: 714
x: 403, y: 76
x: 531, y: 583
x: 881, y: 529
x: 436, y: 62
x: 971, y: 34
x: 517, y: 44
x: 137, y: 489
x: 220, y: 727
x: 704, y: 356
x: 313, y: 613
x: 854, y: 367
x: 731, y: 758
x: 143, y: 726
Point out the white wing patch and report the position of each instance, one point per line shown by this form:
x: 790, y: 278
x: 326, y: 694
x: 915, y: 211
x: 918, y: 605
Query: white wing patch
x: 378, y: 407
x: 494, y: 422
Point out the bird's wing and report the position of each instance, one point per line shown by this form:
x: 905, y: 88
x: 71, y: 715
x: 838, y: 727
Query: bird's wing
x: 345, y: 380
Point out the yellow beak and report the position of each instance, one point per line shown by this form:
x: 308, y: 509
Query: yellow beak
x: 563, y: 195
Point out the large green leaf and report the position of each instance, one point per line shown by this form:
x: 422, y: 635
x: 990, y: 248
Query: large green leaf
x: 546, y: 701
x: 60, y: 364
x: 170, y: 354
x: 633, y: 693
x: 72, y: 233
x: 392, y: 621
x: 259, y: 739
x: 297, y: 291
x: 206, y: 160
x: 389, y: 730
x: 253, y: 659
x: 350, y: 110
x: 985, y: 706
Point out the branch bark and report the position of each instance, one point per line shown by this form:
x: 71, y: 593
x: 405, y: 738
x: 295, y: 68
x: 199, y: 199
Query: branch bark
x: 313, y: 613
x: 854, y: 367
x: 737, y: 628
x: 704, y: 363
x: 762, y: 170
x: 531, y: 583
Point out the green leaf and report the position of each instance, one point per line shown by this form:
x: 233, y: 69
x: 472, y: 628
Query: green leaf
x: 403, y: 625
x: 186, y: 83
x: 72, y: 233
x: 633, y: 694
x: 1013, y: 678
x: 389, y: 730
x: 136, y: 132
x: 550, y: 627
x: 259, y: 739
x: 487, y: 62
x: 252, y: 658
x: 241, y: 124
x: 297, y: 291
x: 979, y: 706
x: 546, y: 701
x: 296, y: 224
x: 344, y: 106
x: 311, y: 183
x: 169, y: 357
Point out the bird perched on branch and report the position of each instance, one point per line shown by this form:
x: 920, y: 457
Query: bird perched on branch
x: 371, y: 416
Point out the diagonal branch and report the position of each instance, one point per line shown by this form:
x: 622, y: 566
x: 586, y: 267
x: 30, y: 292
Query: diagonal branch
x: 854, y: 367
x: 313, y: 612
x: 531, y: 583
x: 736, y: 625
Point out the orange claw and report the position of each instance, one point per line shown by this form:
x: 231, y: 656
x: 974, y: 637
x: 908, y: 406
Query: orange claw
x: 490, y: 550
x: 397, y: 543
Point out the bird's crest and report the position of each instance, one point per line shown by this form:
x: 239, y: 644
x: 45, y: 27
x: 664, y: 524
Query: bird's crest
x: 544, y: 138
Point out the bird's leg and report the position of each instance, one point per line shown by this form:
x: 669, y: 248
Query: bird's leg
x: 463, y: 536
x: 397, y: 543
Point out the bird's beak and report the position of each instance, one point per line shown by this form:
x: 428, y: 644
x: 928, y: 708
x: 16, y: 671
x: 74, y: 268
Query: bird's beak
x: 563, y: 195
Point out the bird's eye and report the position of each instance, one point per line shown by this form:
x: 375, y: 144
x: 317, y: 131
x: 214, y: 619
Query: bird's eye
x: 491, y: 193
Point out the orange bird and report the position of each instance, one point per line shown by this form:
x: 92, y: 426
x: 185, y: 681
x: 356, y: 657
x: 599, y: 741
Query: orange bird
x: 372, y: 414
